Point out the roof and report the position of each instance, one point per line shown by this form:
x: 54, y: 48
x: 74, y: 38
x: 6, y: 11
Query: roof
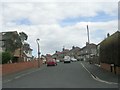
x: 89, y: 45
x: 48, y: 55
x: 28, y: 55
x: 58, y: 52
x: 75, y: 49
x: 9, y: 31
x: 66, y: 50
x: 114, y: 35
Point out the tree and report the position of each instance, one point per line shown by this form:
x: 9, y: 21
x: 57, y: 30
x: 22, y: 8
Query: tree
x: 12, y: 41
x: 23, y: 36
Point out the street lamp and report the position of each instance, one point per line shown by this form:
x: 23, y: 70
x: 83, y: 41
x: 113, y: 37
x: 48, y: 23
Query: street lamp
x: 37, y: 40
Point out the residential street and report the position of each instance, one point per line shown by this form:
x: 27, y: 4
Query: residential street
x: 68, y: 75
x: 59, y: 44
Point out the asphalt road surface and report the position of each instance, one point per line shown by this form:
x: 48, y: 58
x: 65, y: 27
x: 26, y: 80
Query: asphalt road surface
x: 68, y: 75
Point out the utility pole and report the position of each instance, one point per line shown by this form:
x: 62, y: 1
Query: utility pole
x: 88, y: 44
x: 88, y: 35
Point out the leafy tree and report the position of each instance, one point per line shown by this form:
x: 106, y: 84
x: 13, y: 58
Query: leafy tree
x: 25, y: 46
x: 23, y: 36
x: 12, y: 41
x: 6, y: 56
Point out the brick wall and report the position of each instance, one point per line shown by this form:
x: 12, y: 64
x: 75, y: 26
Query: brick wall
x: 105, y: 66
x: 17, y: 67
x: 118, y: 70
x: 0, y: 70
x: 108, y: 68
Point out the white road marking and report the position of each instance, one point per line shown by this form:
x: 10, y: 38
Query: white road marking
x: 96, y: 78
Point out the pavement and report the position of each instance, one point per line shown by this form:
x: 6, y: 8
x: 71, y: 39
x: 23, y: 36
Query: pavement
x: 101, y: 74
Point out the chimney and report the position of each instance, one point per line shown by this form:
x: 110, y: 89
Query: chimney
x: 56, y: 51
x: 108, y: 35
x: 73, y: 47
x: 63, y: 48
x: 87, y: 43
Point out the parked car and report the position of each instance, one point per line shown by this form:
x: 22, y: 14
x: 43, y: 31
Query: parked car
x: 79, y: 58
x: 57, y: 61
x: 61, y: 60
x: 51, y: 62
x: 73, y: 59
x: 67, y: 59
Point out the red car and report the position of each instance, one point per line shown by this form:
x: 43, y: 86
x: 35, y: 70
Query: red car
x: 51, y: 62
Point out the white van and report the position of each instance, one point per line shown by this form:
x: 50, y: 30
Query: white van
x: 67, y: 59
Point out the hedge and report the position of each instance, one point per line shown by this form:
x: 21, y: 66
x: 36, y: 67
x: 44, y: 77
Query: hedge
x: 109, y: 49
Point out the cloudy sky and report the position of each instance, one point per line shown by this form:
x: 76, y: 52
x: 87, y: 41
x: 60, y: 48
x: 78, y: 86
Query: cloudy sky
x: 60, y: 23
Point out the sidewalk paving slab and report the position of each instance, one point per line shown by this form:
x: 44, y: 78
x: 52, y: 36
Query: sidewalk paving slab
x: 101, y: 73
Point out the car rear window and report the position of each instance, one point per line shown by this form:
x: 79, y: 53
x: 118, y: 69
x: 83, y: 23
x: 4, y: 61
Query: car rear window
x: 50, y: 60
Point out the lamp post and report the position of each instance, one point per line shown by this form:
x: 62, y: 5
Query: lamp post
x: 37, y: 40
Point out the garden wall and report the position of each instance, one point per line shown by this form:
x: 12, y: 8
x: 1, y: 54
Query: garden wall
x: 17, y: 67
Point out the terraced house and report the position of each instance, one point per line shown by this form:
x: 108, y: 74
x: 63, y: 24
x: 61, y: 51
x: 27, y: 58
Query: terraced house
x: 109, y: 53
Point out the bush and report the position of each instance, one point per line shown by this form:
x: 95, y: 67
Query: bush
x: 6, y: 56
x: 14, y: 59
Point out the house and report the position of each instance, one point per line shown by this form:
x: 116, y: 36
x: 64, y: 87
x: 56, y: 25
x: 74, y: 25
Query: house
x: 108, y: 52
x: 27, y: 52
x: 88, y: 52
x: 48, y: 57
x: 74, y: 52
x: 2, y: 49
x: 11, y: 41
x: 60, y: 55
x: 65, y: 52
